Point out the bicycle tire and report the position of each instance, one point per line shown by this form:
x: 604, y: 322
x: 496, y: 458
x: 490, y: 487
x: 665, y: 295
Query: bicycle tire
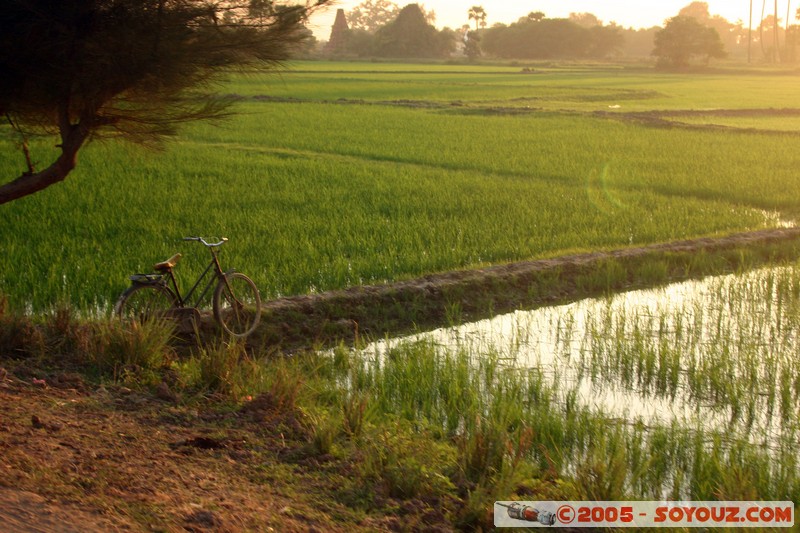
x: 237, y: 305
x: 144, y: 302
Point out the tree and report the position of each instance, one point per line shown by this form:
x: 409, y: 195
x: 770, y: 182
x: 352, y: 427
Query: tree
x: 769, y: 25
x: 587, y: 20
x: 696, y: 10
x: 472, y: 43
x: 638, y: 42
x: 683, y: 38
x: 133, y: 69
x: 530, y: 38
x: 410, y: 36
x: 372, y: 14
x: 478, y: 14
x: 604, y: 41
x: 430, y: 15
x: 259, y: 10
x: 732, y: 35
x: 359, y: 42
x: 775, y: 29
x: 761, y: 27
x: 792, y: 42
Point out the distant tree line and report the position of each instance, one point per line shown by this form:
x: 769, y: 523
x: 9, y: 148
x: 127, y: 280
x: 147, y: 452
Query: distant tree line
x: 536, y: 37
x: 696, y: 34
x: 379, y: 28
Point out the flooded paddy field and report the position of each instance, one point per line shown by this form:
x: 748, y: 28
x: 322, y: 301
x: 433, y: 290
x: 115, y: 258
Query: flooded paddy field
x: 689, y: 390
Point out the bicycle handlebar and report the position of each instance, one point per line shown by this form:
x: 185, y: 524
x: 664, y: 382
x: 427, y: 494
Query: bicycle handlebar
x: 222, y: 241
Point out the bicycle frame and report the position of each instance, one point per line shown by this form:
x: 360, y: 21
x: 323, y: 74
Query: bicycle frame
x: 212, y: 268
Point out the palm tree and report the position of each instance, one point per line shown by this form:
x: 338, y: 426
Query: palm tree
x: 478, y: 14
x: 786, y: 33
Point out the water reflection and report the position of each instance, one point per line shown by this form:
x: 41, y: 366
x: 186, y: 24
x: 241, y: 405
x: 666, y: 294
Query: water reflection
x: 720, y: 352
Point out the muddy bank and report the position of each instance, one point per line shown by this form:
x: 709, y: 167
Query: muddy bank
x: 672, y: 118
x: 369, y: 312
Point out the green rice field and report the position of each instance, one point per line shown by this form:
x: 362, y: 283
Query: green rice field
x: 339, y: 174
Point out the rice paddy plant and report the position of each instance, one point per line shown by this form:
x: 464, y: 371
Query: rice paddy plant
x: 738, y: 357
x: 286, y: 382
x: 428, y: 418
x: 413, y: 189
x: 554, y: 87
x: 717, y: 365
x: 517, y: 419
x: 602, y: 472
x: 354, y: 413
x: 324, y: 429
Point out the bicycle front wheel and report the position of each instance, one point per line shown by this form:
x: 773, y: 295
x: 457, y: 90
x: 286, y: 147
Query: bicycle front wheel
x: 145, y: 302
x: 237, y: 304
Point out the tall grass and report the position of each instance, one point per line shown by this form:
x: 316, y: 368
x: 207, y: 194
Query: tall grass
x: 106, y: 347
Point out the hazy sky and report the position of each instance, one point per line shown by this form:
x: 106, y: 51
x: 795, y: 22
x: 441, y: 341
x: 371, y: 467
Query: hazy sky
x: 626, y: 13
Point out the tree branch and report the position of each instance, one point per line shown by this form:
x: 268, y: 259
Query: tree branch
x: 23, y: 144
x: 130, y: 68
x: 72, y: 138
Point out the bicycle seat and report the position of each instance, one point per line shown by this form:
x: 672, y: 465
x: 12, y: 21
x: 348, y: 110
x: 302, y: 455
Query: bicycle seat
x: 166, y: 266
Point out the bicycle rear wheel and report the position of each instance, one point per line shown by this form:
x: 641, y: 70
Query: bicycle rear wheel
x: 237, y: 304
x: 145, y: 302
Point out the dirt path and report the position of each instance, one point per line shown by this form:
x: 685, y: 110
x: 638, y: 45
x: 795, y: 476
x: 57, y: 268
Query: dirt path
x: 27, y: 512
x: 303, y: 322
x: 91, y: 461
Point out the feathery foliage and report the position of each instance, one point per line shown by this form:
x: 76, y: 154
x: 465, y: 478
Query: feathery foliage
x: 135, y: 68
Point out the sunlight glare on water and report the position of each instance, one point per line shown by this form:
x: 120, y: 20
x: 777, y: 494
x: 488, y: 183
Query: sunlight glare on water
x: 715, y: 352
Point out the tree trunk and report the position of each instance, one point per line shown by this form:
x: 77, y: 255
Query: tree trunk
x: 73, y: 136
x: 776, y: 42
x: 761, y: 28
x: 750, y: 34
x: 788, y: 53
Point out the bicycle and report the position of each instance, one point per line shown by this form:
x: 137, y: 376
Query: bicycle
x: 236, y: 302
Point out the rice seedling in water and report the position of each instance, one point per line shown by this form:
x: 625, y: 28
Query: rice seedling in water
x: 701, y: 389
x: 739, y: 355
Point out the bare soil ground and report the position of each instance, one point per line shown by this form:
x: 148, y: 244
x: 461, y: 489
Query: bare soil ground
x: 82, y: 457
x: 74, y: 459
